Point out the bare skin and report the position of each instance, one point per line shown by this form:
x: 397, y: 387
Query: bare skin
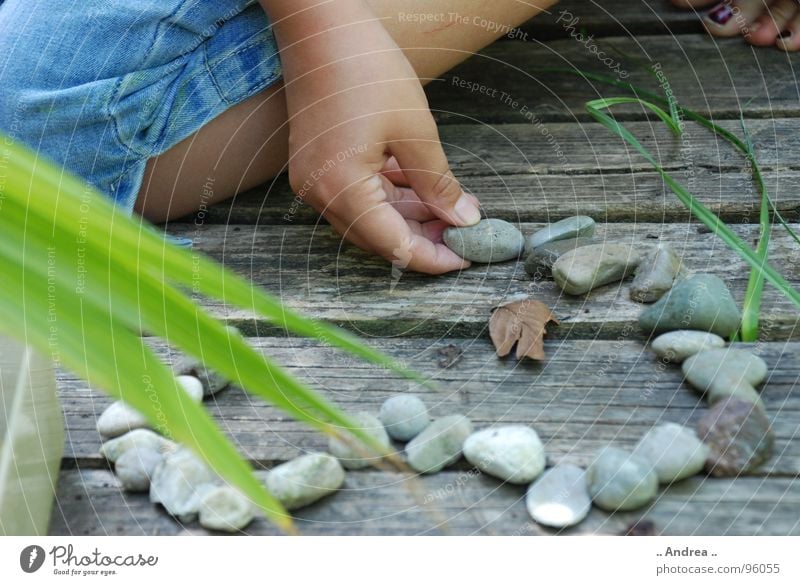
x: 352, y: 76
x: 762, y: 23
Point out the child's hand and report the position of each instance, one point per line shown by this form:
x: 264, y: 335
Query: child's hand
x: 363, y: 146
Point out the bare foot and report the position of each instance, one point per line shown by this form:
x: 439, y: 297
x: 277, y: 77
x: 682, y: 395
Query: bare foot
x: 760, y: 22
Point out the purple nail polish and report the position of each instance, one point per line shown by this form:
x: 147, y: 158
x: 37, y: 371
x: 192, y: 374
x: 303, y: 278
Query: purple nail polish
x: 720, y: 14
x: 785, y: 34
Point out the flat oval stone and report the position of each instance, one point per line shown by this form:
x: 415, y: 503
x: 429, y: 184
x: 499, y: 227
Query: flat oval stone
x: 490, y: 240
x: 578, y: 226
x: 673, y: 450
x: 120, y: 418
x: 212, y: 381
x: 512, y: 453
x: 541, y: 259
x: 738, y: 435
x: 722, y: 373
x: 349, y: 453
x: 404, y: 416
x: 579, y: 271
x: 701, y: 302
x: 439, y: 445
x: 655, y: 274
x: 135, y: 467
x: 305, y: 480
x: 676, y: 346
x: 619, y: 481
x: 226, y: 509
x: 136, y: 439
x: 176, y: 483
x: 560, y: 497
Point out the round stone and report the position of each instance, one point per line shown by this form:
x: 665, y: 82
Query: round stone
x: 144, y: 439
x: 655, y: 274
x: 193, y: 387
x: 560, y: 497
x: 701, y: 302
x: 579, y: 271
x: 118, y: 419
x: 212, y: 381
x: 350, y: 453
x: 404, y: 416
x: 738, y: 435
x: 578, y: 226
x: 490, y: 240
x: 305, y: 480
x: 226, y: 509
x: 135, y: 467
x: 619, y: 481
x: 673, y: 451
x: 512, y: 453
x: 676, y: 346
x: 176, y: 483
x: 439, y: 445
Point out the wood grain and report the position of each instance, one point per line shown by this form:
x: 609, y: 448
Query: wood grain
x: 462, y: 503
x: 310, y: 270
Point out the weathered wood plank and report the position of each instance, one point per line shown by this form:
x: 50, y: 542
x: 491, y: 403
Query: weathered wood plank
x: 612, y: 17
x: 606, y: 196
x: 586, y: 395
x: 309, y: 270
x: 716, y: 76
x: 374, y: 503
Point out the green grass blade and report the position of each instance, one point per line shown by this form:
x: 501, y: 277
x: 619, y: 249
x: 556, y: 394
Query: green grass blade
x: 682, y: 112
x: 701, y: 212
x: 751, y: 308
x: 604, y: 103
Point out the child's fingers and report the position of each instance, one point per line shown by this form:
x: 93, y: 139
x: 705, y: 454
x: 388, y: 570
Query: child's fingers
x: 393, y: 172
x: 406, y: 202
x: 369, y: 218
x: 425, y: 165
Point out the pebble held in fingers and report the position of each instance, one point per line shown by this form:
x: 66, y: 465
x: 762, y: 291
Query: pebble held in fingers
x: 490, y: 240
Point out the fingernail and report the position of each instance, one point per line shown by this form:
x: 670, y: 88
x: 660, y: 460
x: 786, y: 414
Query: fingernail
x: 466, y: 210
x: 785, y: 34
x: 754, y: 27
x: 720, y: 14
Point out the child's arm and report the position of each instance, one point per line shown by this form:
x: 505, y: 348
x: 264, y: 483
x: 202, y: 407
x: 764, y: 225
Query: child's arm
x: 354, y: 101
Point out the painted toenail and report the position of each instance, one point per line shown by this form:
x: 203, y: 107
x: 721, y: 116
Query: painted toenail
x: 785, y: 34
x: 720, y: 14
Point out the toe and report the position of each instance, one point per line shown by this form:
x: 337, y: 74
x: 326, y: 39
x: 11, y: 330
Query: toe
x: 789, y: 39
x: 728, y: 19
x: 765, y: 30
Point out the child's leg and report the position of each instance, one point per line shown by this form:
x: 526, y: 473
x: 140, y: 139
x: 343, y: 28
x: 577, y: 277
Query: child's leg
x: 247, y: 145
x: 761, y: 22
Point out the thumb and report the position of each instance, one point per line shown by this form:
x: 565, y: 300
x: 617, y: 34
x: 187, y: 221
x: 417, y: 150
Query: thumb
x: 425, y: 166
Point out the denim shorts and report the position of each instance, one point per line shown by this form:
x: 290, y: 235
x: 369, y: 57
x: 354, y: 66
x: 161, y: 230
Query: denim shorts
x: 101, y: 86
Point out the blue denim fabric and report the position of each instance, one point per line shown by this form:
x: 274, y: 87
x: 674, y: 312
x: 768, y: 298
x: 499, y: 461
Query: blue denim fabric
x: 101, y: 86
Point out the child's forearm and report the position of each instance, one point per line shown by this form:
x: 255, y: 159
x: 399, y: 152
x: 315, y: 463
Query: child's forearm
x: 315, y: 34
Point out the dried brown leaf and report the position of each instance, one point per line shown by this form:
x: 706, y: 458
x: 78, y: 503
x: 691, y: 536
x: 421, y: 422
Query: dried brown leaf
x: 523, y: 323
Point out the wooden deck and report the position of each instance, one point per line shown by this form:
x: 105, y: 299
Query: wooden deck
x: 599, y: 384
